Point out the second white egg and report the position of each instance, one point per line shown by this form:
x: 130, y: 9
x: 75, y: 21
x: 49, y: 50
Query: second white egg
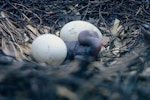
x: 71, y: 30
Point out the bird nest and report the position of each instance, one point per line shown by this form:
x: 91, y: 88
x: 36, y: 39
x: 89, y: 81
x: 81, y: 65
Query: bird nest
x: 121, y: 72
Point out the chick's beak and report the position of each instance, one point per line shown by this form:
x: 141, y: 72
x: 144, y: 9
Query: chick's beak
x: 103, y: 43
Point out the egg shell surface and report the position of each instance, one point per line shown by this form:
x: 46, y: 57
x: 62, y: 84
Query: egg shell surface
x: 49, y: 48
x: 71, y: 30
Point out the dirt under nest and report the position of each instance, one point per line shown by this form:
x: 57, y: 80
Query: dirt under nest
x: 122, y: 72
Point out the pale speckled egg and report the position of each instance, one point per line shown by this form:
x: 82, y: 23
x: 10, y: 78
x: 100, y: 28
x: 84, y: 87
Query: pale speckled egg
x: 71, y: 30
x: 49, y: 48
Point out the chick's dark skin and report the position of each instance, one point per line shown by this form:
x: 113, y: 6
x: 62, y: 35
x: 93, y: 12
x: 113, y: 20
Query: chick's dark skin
x: 88, y: 45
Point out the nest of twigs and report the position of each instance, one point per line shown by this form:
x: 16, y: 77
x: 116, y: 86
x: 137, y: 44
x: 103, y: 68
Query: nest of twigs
x: 23, y: 21
x: 121, y: 73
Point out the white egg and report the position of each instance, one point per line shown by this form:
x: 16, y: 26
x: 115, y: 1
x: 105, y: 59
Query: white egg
x: 71, y: 30
x: 48, y: 48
